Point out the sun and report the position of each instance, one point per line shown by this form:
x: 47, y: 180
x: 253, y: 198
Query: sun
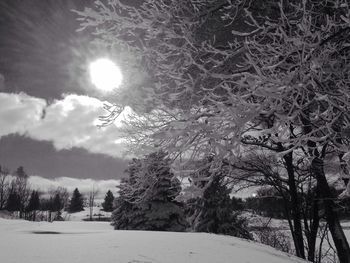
x: 105, y: 74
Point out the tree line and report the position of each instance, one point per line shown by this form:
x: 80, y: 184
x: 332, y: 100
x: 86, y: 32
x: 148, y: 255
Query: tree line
x: 17, y: 197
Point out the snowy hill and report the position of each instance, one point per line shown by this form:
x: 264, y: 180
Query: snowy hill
x: 92, y: 242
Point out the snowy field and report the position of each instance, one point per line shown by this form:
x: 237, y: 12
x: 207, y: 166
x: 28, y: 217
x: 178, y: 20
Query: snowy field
x: 84, y: 215
x: 92, y: 242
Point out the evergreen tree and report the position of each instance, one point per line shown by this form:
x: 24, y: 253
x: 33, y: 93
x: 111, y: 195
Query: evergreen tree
x: 19, y: 184
x: 217, y: 213
x: 108, y: 202
x: 13, y: 202
x: 57, y: 203
x: 214, y: 211
x: 21, y: 173
x: 45, y: 204
x: 33, y: 205
x: 77, y: 202
x: 147, y: 197
x: 57, y: 206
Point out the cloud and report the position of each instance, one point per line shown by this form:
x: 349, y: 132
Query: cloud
x: 84, y: 185
x: 71, y: 122
x: 67, y: 123
x: 18, y: 112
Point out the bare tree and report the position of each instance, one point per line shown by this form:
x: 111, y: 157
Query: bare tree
x: 20, y: 185
x: 92, y: 194
x: 264, y: 169
x: 63, y: 194
x: 4, y: 186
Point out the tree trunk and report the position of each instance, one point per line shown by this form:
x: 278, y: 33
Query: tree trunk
x: 339, y: 239
x: 295, y: 207
x: 2, y: 199
x: 312, y: 235
x: 91, y: 211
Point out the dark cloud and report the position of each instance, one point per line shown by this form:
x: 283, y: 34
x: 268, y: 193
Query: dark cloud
x: 2, y: 82
x: 40, y: 51
x: 41, y: 158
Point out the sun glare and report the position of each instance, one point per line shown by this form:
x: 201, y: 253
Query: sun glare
x: 105, y: 74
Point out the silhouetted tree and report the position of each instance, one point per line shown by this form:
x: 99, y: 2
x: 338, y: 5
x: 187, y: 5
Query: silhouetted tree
x: 4, y: 186
x: 76, y: 202
x: 47, y: 205
x: 57, y: 203
x: 21, y: 173
x: 63, y: 196
x: 20, y: 184
x: 13, y: 202
x: 57, y: 206
x: 108, y: 202
x: 33, y: 205
x: 214, y: 211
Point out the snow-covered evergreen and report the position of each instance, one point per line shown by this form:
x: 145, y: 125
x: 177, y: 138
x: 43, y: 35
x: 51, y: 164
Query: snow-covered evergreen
x: 147, y: 197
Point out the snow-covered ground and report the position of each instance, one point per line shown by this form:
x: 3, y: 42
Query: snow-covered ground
x: 85, y: 214
x: 92, y: 242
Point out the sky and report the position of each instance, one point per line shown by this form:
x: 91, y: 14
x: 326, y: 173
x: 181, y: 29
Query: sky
x: 48, y: 105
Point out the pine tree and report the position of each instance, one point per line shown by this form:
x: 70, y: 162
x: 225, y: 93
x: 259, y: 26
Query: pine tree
x: 57, y: 203
x: 21, y: 173
x: 20, y: 185
x: 216, y: 212
x: 33, y: 205
x: 57, y: 206
x: 147, y: 197
x: 108, y: 202
x: 13, y: 202
x: 76, y: 203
